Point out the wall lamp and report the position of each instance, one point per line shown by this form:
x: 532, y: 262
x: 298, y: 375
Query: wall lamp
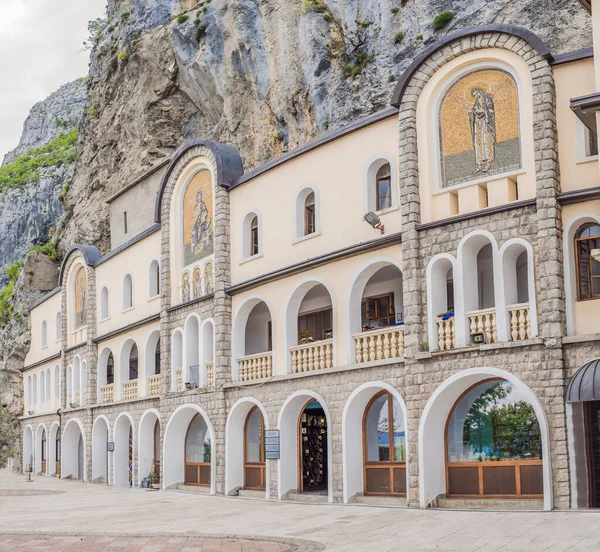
x: 375, y: 221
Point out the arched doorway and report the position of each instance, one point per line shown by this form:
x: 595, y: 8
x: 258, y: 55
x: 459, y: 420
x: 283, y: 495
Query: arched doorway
x: 40, y: 453
x: 254, y: 450
x: 27, y: 449
x: 197, y: 453
x: 123, y: 455
x: 73, y: 451
x: 312, y: 453
x: 54, y: 450
x: 43, y: 453
x: 100, y: 439
x: 384, y: 446
x: 149, y: 446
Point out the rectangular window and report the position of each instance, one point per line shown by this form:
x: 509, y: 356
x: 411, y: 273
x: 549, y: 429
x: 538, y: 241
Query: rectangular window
x: 450, y: 294
x: 315, y: 326
x: 591, y: 144
x: 384, y: 194
x: 254, y: 241
x: 110, y: 373
x: 588, y: 269
x: 378, y: 312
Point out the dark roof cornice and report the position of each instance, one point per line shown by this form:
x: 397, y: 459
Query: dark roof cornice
x: 45, y: 298
x: 89, y: 253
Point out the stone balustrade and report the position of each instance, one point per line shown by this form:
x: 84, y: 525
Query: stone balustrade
x: 484, y: 321
x: 130, y: 390
x: 179, y: 375
x: 107, y: 393
x: 154, y: 385
x: 379, y: 344
x: 520, y: 323
x: 210, y: 374
x: 446, y: 335
x: 312, y: 356
x: 255, y: 367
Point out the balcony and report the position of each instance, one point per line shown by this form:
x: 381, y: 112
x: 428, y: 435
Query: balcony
x: 312, y: 356
x: 446, y: 335
x: 154, y: 385
x: 379, y: 344
x: 520, y: 323
x: 210, y: 374
x: 484, y: 321
x: 255, y: 367
x: 130, y: 390
x: 107, y: 394
x: 179, y: 379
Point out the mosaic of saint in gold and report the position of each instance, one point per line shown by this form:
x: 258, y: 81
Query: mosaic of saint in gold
x: 479, y: 127
x: 80, y: 297
x: 198, y: 218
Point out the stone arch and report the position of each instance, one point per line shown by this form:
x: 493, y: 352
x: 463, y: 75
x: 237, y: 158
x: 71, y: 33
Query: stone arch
x: 150, y: 360
x: 28, y: 458
x: 146, y: 446
x: 100, y: 440
x: 124, y: 370
x: 234, y: 444
x: 39, y: 454
x: 174, y: 444
x: 287, y: 423
x: 432, y: 427
x: 352, y: 434
x: 102, y: 374
x: 299, y: 210
x: 207, y: 352
x: 192, y: 348
x: 124, y: 436
x: 176, y: 356
x: 292, y: 309
x: 73, y: 445
x: 361, y: 280
x: 437, y: 272
x: 240, y: 325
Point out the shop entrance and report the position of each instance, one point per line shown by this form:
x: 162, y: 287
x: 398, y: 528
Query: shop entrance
x: 592, y: 423
x: 312, y: 449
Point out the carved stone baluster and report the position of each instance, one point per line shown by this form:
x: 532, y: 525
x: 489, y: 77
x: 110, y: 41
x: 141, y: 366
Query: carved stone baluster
x: 522, y: 324
x: 528, y: 322
x: 394, y: 342
x: 514, y: 322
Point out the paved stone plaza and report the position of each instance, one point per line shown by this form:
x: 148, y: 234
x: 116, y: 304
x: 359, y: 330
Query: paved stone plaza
x: 51, y: 514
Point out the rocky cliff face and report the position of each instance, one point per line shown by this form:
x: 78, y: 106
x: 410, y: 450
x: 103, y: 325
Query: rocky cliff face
x: 263, y: 75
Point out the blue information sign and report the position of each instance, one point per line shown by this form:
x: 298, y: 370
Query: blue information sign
x: 272, y: 444
x: 111, y: 447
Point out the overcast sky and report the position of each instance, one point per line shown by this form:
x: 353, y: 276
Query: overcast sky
x: 40, y: 49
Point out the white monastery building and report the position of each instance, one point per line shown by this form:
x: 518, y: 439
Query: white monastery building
x: 403, y: 310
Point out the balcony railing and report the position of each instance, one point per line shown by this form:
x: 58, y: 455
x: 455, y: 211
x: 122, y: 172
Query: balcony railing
x: 130, y: 390
x: 210, y: 374
x: 312, y: 356
x: 379, y: 344
x: 484, y: 321
x: 255, y: 367
x: 446, y: 336
x: 154, y: 385
x: 107, y: 393
x: 520, y: 323
x: 179, y: 380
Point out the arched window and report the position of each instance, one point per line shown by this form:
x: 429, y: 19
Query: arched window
x: 154, y: 279
x: 48, y: 388
x: 157, y: 358
x: 384, y: 443
x: 493, y: 443
x: 58, y: 326
x: 43, y: 451
x: 44, y: 334
x: 29, y: 392
x: 42, y: 388
x: 588, y: 269
x: 197, y: 453
x: 209, y: 285
x: 185, y: 287
x: 104, y: 304
x: 383, y: 188
x: 34, y: 391
x: 254, y: 450
x: 197, y: 283
x: 110, y: 369
x: 57, y: 384
x: 127, y: 292
x: 80, y: 299
x: 254, y: 236
x: 309, y: 214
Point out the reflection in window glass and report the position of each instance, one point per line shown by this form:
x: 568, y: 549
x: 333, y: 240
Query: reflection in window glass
x: 197, y: 441
x: 379, y: 433
x: 254, y: 436
x: 493, y: 422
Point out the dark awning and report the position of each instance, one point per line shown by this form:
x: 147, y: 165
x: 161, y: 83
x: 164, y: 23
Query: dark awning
x: 585, y: 384
x: 585, y: 108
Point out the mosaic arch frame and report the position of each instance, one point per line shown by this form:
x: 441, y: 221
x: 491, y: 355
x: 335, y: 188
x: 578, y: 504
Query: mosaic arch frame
x: 478, y: 125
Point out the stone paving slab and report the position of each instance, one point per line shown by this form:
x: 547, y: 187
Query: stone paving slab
x: 151, y: 521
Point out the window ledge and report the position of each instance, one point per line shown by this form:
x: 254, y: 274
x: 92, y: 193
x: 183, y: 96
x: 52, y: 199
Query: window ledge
x: 104, y: 319
x: 583, y: 160
x: 484, y: 180
x: 128, y: 309
x: 248, y: 259
x: 153, y: 298
x: 77, y: 330
x: 307, y: 237
x: 44, y: 346
x: 424, y: 355
x: 388, y: 210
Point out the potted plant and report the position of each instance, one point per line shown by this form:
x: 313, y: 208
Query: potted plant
x: 154, y: 480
